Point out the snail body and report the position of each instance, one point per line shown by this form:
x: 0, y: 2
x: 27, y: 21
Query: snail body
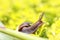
x: 27, y: 28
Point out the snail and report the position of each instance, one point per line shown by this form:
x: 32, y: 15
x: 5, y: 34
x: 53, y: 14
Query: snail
x: 30, y: 29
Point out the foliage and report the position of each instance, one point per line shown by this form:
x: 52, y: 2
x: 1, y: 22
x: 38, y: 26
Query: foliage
x: 14, y: 35
x: 15, y: 12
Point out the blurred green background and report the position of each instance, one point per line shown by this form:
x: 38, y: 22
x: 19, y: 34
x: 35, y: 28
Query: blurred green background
x: 15, y: 12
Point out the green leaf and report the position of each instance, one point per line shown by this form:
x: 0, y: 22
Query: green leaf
x: 14, y: 35
x: 4, y: 36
